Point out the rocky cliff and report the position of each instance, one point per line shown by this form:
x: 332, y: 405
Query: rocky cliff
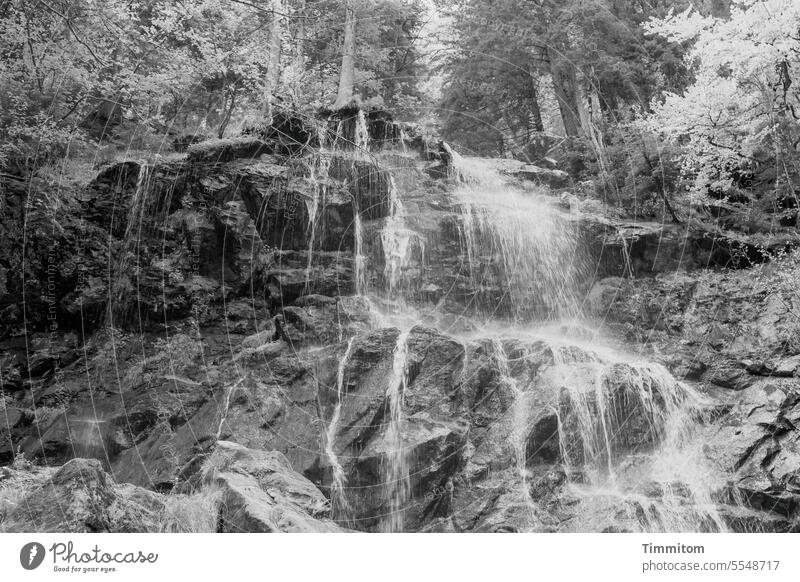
x: 346, y: 326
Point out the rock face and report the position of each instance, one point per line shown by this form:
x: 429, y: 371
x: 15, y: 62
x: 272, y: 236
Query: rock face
x: 241, y: 490
x: 297, y: 341
x: 758, y: 442
x: 261, y: 493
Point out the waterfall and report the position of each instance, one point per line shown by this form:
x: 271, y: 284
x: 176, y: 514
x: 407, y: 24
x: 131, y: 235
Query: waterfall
x: 322, y: 133
x: 396, y: 240
x: 359, y: 260
x: 625, y: 426
x: 520, y: 242
x: 119, y: 294
x: 394, y: 469
x: 319, y: 179
x: 340, y: 508
x: 361, y: 132
x: 520, y: 419
x: 86, y: 436
x: 224, y: 413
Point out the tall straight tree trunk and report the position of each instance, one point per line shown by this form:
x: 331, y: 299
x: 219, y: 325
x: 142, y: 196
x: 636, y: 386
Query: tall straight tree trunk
x: 274, y: 62
x: 347, y: 75
x: 589, y: 109
x: 566, y: 89
x: 535, y: 112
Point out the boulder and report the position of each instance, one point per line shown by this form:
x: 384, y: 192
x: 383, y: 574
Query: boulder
x: 260, y: 493
x: 542, y: 176
x: 758, y: 442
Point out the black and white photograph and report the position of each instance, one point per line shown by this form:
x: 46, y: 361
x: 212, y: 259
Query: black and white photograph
x: 418, y: 267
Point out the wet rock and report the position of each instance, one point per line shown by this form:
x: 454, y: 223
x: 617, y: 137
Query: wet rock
x: 287, y: 275
x: 261, y: 493
x: 318, y: 319
x: 432, y: 449
x: 731, y: 377
x: 758, y: 442
x: 743, y: 520
x: 217, y: 151
x: 537, y: 175
x: 265, y: 336
x: 368, y: 184
x: 782, y: 368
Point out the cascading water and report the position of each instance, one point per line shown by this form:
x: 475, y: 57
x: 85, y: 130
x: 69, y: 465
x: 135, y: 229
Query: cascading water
x: 624, y: 427
x: 226, y: 407
x: 520, y: 419
x: 86, y: 437
x: 319, y: 178
x: 339, y: 504
x: 359, y: 260
x: 395, y: 470
x: 118, y: 303
x: 361, y: 132
x: 518, y: 241
x: 396, y: 241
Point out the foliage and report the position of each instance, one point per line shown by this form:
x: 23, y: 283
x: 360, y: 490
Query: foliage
x: 142, y: 72
x: 642, y: 176
x: 504, y: 55
x: 736, y: 124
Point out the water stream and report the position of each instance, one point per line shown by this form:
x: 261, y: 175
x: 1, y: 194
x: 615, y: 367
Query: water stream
x: 521, y: 240
x: 395, y: 469
x: 626, y: 427
x: 396, y: 240
x: 319, y: 179
x: 120, y: 270
x: 339, y: 504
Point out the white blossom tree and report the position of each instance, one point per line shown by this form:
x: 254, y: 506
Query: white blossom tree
x: 743, y: 108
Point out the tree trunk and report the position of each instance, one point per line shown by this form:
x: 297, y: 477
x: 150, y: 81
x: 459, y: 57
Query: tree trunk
x: 344, y: 97
x: 535, y: 112
x: 566, y: 90
x: 588, y: 107
x: 227, y: 113
x: 274, y: 63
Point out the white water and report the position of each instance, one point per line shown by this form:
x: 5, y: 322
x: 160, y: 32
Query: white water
x: 340, y: 507
x: 520, y: 419
x: 403, y: 140
x: 606, y: 401
x: 522, y: 238
x: 118, y: 300
x: 224, y: 414
x: 625, y: 427
x: 360, y: 260
x: 362, y: 132
x: 396, y: 241
x: 395, y: 470
x: 319, y: 179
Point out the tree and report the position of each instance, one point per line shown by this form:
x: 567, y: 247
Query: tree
x: 345, y: 97
x: 739, y: 117
x: 592, y: 57
x: 274, y: 63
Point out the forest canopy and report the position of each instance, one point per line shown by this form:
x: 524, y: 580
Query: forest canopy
x: 657, y: 107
